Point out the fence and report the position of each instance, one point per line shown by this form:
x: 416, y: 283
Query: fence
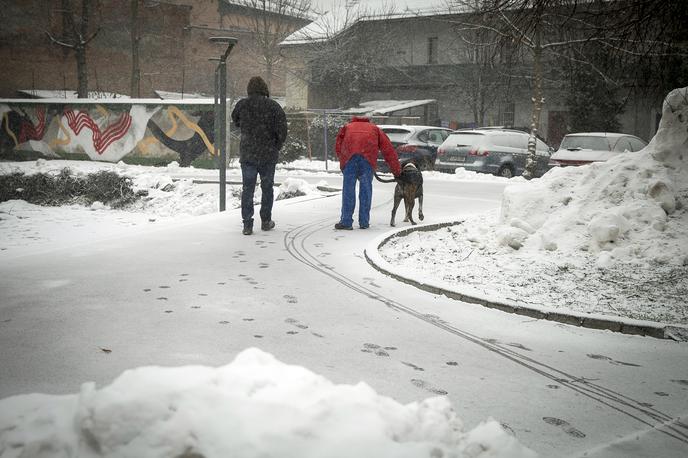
x: 147, y: 131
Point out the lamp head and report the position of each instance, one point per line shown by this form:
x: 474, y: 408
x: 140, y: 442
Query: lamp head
x: 231, y: 41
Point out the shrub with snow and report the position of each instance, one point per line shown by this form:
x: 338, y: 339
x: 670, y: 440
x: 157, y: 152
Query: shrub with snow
x: 293, y: 187
x: 255, y: 406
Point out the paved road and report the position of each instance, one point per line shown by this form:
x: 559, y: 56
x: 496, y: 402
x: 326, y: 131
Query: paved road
x: 201, y: 292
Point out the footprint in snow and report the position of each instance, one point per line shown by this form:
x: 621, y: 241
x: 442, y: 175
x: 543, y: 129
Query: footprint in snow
x: 426, y: 386
x: 565, y: 425
x: 296, y: 323
x: 413, y: 366
x: 611, y: 361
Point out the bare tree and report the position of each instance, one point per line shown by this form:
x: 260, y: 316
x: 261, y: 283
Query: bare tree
x: 270, y: 23
x: 135, y: 40
x: 479, y: 62
x: 572, y: 29
x: 77, y: 33
x: 338, y: 54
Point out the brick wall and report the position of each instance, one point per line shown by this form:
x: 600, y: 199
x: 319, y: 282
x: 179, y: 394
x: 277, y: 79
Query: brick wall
x: 174, y: 48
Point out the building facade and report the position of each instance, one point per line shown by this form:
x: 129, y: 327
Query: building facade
x: 174, y: 47
x: 421, y: 56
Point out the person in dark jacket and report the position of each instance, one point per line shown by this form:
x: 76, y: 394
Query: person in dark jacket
x: 357, y: 146
x: 263, y: 127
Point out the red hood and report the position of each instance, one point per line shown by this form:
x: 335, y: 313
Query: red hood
x: 360, y: 119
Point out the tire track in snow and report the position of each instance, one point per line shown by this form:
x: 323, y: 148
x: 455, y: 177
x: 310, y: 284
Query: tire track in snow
x: 295, y: 243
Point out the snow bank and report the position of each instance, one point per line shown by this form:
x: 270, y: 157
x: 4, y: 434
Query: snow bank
x: 255, y: 406
x: 630, y: 209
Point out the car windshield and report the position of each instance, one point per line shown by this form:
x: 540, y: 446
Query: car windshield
x: 581, y: 142
x: 397, y: 135
x: 465, y: 139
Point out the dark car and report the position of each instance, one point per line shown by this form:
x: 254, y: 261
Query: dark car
x: 418, y: 142
x: 501, y: 152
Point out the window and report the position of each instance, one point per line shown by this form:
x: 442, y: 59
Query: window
x: 506, y: 114
x: 636, y: 143
x: 436, y: 137
x: 622, y: 145
x: 432, y: 50
x: 396, y: 135
x: 573, y: 142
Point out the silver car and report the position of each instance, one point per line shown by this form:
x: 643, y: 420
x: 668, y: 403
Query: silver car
x: 501, y: 152
x: 584, y: 148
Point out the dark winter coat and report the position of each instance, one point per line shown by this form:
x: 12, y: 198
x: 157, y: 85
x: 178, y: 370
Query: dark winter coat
x: 263, y: 127
x: 363, y: 137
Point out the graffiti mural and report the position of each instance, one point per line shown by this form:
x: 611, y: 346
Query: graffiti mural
x: 190, y: 138
x: 107, y: 132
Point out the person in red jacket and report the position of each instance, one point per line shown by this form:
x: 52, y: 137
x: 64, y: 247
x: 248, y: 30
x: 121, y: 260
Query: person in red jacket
x: 358, y: 144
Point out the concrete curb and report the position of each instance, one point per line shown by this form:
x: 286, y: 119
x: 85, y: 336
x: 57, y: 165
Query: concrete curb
x: 612, y: 323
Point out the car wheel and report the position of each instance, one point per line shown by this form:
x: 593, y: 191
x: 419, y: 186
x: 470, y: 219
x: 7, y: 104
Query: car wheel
x: 505, y: 171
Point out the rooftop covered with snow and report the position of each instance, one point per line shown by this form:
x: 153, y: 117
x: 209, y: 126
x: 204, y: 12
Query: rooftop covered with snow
x: 343, y: 15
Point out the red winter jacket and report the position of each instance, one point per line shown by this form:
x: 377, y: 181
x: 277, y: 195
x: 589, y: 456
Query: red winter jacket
x: 363, y: 137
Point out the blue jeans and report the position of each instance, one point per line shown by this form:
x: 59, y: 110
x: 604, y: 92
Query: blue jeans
x: 249, y: 174
x: 357, y: 169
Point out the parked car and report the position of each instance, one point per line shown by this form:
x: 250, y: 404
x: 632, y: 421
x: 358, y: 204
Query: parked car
x: 501, y: 152
x: 587, y: 147
x: 419, y: 142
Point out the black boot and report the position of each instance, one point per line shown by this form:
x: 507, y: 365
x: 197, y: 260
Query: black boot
x: 248, y: 229
x: 267, y: 225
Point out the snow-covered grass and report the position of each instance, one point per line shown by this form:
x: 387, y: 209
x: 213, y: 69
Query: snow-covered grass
x: 255, y: 406
x: 609, y: 238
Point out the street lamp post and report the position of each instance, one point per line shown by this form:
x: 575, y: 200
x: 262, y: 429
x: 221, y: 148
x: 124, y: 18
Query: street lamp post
x: 220, y: 105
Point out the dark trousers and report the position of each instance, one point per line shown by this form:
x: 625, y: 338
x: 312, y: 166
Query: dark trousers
x: 249, y: 175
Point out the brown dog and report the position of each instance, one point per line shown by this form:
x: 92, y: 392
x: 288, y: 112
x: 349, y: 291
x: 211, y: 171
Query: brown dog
x: 409, y: 188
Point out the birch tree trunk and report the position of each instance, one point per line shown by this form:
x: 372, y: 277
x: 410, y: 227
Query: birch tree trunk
x: 538, y: 101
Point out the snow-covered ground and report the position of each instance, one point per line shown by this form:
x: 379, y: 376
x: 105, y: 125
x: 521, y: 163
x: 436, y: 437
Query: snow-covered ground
x: 175, y: 195
x: 262, y: 407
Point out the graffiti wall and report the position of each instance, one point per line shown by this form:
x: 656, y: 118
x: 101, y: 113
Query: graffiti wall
x: 106, y: 131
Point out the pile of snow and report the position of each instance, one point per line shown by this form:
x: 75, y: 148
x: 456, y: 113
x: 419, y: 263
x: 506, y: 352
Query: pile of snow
x: 255, y: 406
x: 630, y: 209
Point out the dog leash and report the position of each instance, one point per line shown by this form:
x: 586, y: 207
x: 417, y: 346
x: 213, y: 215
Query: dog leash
x: 382, y: 180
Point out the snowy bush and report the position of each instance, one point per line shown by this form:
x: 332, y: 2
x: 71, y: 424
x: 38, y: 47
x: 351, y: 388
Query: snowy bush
x: 293, y: 187
x: 66, y: 187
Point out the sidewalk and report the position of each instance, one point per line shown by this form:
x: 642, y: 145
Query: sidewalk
x: 595, y: 321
